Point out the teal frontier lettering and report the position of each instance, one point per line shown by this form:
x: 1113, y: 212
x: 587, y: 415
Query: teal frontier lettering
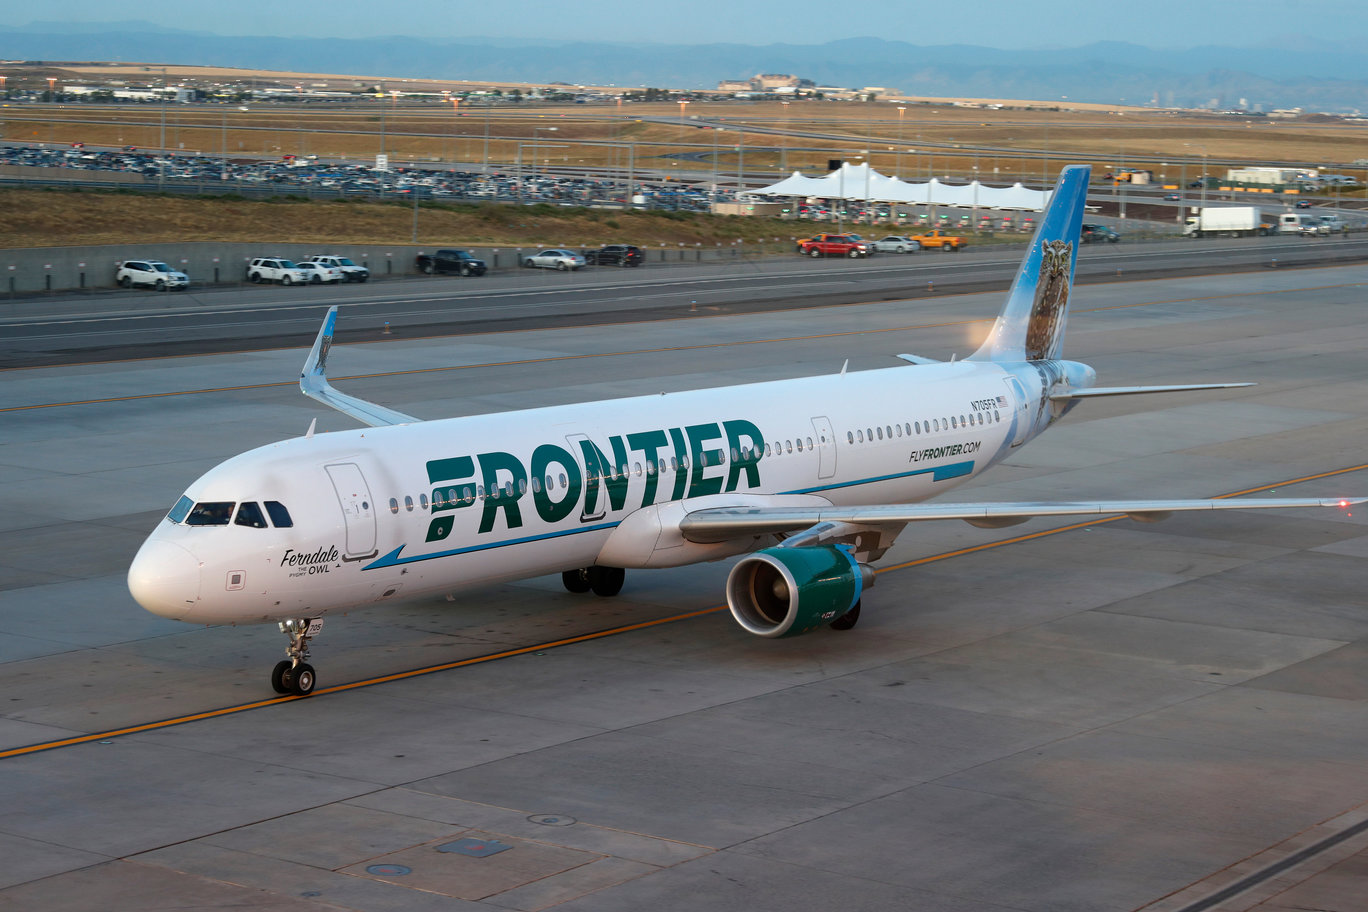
x: 595, y: 482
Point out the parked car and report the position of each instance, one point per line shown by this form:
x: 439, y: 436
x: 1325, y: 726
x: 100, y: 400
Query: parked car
x: 276, y: 269
x: 615, y: 255
x: 896, y: 243
x: 843, y: 245
x: 448, y: 260
x: 319, y: 274
x: 554, y: 259
x: 350, y: 271
x: 945, y: 240
x: 152, y: 273
x: 1093, y: 233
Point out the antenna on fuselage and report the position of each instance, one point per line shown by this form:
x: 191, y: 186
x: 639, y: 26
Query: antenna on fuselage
x: 308, y: 435
x: 844, y: 366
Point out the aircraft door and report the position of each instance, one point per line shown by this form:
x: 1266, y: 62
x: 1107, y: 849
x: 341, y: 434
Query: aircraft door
x: 1021, y: 407
x: 826, y: 447
x: 357, y: 509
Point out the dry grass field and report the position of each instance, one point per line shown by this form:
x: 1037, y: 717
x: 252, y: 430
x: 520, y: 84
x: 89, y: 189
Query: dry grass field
x: 47, y: 218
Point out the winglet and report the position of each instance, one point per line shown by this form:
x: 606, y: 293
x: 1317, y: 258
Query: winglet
x: 313, y: 382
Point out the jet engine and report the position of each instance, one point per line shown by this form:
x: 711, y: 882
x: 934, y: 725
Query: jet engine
x: 783, y: 592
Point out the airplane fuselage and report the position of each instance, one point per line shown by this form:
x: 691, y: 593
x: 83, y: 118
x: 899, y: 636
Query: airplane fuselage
x: 411, y: 510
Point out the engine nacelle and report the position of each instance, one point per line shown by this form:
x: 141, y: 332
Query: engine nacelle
x: 783, y: 592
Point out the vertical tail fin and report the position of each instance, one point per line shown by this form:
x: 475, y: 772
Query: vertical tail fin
x: 1031, y: 325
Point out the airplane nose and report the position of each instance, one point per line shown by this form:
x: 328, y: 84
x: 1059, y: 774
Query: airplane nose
x: 164, y: 578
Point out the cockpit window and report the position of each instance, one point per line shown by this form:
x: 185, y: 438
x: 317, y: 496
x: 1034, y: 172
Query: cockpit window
x: 280, y: 517
x: 249, y: 514
x: 180, y: 510
x: 216, y: 513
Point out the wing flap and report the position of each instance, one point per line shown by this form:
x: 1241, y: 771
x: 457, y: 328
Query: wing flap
x: 723, y: 523
x: 313, y: 382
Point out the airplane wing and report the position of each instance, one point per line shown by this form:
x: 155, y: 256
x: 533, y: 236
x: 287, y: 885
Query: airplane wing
x: 718, y: 524
x: 313, y: 382
x: 1094, y: 392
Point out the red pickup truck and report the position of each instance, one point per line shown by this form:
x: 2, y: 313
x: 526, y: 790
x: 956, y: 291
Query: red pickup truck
x: 834, y: 245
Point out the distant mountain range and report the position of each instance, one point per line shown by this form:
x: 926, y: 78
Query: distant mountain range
x: 1315, y: 75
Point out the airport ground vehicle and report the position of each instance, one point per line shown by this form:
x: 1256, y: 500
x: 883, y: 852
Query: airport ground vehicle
x: 896, y: 243
x: 842, y: 245
x: 554, y: 259
x: 320, y: 274
x: 615, y: 255
x: 152, y: 273
x: 276, y: 269
x: 1228, y: 221
x: 941, y: 239
x: 450, y: 260
x: 1096, y: 233
x: 350, y: 271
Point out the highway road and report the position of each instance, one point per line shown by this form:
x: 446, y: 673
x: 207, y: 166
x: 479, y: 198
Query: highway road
x: 119, y: 324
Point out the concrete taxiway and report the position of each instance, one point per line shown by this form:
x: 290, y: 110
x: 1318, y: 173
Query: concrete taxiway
x: 1104, y: 716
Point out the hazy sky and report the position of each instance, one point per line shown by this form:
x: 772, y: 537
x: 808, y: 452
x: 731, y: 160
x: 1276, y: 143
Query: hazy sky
x: 991, y: 23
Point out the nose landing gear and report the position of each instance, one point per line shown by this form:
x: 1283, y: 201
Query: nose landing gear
x: 295, y: 675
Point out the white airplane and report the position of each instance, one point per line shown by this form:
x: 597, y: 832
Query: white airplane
x: 811, y: 478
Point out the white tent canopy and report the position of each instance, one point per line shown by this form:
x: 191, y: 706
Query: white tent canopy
x: 862, y: 182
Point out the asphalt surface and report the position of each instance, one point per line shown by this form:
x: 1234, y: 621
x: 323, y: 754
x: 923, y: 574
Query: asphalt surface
x: 120, y: 324
x: 1102, y: 717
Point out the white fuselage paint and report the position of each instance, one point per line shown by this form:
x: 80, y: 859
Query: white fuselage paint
x: 350, y: 547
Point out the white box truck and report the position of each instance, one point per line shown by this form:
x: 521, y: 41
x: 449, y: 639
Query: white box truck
x: 1228, y: 221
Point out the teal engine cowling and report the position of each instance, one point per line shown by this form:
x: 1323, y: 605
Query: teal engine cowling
x: 783, y: 592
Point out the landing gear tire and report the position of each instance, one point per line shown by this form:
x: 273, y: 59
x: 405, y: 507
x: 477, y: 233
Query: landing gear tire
x: 576, y: 581
x: 301, y: 679
x: 295, y: 675
x: 606, y: 581
x: 847, y: 620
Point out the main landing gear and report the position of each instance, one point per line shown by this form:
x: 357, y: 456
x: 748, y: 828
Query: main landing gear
x: 604, y: 581
x: 295, y: 675
x: 847, y: 620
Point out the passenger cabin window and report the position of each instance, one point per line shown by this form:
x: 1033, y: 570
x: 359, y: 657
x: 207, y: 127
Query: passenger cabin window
x: 280, y: 517
x: 210, y: 513
x: 249, y: 514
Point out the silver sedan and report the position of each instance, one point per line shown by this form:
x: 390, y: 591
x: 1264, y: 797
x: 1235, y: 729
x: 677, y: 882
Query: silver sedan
x: 554, y: 259
x: 896, y: 243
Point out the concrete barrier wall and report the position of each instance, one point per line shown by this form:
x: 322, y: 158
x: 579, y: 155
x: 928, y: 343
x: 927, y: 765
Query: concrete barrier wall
x: 38, y: 269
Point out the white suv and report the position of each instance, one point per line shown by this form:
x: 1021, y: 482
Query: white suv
x: 276, y: 269
x: 350, y: 271
x: 153, y: 273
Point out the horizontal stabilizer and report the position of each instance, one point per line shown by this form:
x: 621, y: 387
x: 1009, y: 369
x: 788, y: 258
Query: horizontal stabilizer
x: 724, y: 523
x: 1099, y: 391
x: 313, y: 382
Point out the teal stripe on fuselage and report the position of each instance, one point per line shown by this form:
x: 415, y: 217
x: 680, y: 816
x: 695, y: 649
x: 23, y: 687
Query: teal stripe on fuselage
x: 938, y: 473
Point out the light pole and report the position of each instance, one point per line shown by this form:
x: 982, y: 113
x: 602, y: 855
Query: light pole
x: 631, y: 167
x: 783, y: 143
x: 535, y: 131
x: 897, y: 163
x: 869, y: 207
x: 681, y: 121
x: 1202, y: 214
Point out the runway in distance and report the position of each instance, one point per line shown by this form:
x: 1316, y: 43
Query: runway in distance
x: 811, y: 479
